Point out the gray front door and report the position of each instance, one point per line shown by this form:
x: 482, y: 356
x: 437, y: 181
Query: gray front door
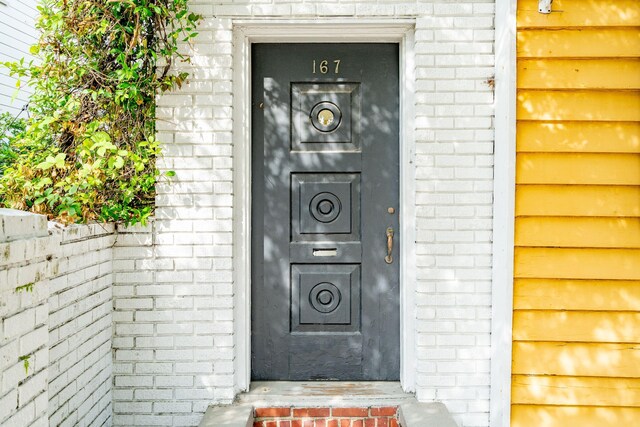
x: 325, y: 289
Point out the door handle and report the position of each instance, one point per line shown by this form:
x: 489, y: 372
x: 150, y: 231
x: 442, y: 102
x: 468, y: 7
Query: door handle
x: 389, y: 259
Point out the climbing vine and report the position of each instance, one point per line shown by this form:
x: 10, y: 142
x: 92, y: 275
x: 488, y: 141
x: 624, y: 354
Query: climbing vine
x: 87, y: 151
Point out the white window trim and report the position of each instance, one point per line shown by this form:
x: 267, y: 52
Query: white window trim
x: 247, y: 32
x: 503, y: 213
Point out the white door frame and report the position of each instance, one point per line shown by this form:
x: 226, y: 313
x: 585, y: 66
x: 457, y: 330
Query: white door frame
x: 246, y: 32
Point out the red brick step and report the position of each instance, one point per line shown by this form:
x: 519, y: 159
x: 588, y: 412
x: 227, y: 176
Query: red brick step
x: 386, y: 416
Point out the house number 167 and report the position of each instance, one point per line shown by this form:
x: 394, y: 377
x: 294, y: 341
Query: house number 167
x: 323, y: 66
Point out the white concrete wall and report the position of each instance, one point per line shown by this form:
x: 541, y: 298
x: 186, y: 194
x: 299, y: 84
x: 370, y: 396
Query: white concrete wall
x: 17, y: 34
x: 63, y: 324
x: 173, y: 292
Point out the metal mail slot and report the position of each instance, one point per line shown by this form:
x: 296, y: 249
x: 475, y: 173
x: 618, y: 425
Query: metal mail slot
x: 325, y: 252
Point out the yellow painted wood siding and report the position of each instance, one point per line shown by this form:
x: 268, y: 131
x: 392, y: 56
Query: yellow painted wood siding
x: 576, y: 321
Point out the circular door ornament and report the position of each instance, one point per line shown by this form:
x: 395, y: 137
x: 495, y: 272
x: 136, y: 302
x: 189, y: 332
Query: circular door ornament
x: 325, y: 207
x: 325, y: 116
x: 325, y: 297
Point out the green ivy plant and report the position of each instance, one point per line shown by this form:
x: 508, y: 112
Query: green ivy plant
x: 11, y: 128
x: 88, y: 150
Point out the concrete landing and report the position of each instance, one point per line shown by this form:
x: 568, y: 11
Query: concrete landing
x: 268, y: 394
x: 333, y: 393
x: 429, y: 414
x: 228, y: 416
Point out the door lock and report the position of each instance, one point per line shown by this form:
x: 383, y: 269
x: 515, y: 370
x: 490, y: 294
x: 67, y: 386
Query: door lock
x: 389, y: 259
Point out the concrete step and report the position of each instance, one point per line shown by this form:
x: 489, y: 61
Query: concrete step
x: 325, y: 393
x: 275, y: 394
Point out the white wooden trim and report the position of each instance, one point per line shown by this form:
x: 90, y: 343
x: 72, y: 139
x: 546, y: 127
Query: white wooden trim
x: 408, y: 359
x: 320, y: 30
x: 315, y: 31
x: 242, y: 208
x: 503, y: 213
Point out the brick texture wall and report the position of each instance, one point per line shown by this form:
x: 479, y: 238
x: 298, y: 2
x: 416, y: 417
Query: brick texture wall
x: 23, y: 319
x: 61, y: 324
x: 386, y: 416
x: 80, y: 327
x: 174, y: 340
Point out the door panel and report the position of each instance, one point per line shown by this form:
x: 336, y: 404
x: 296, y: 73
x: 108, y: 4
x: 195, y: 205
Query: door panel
x: 325, y: 304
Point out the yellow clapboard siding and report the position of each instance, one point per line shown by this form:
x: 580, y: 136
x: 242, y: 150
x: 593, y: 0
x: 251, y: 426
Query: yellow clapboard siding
x: 579, y: 43
x: 568, y: 168
x: 572, y: 416
x: 578, y: 74
x: 578, y: 232
x: 567, y: 391
x: 577, y: 200
x: 576, y: 326
x: 558, y: 294
x: 561, y: 263
x: 578, y: 137
x: 576, y: 13
x: 576, y: 359
x: 578, y: 105
x: 576, y: 356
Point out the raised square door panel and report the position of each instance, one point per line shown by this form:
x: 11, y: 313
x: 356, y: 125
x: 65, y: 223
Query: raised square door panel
x: 325, y: 204
x: 325, y: 117
x: 325, y: 298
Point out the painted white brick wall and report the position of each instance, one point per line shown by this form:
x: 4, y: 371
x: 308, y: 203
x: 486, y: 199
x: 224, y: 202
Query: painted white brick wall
x: 454, y: 171
x: 173, y: 321
x: 80, y: 327
x: 23, y: 333
x: 63, y: 324
x: 173, y: 290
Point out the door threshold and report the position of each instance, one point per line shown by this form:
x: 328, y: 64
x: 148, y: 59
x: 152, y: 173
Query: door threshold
x: 325, y: 393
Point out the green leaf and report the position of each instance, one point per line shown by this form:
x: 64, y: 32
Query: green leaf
x: 170, y: 173
x: 42, y: 182
x: 100, y: 137
x: 47, y: 164
x: 118, y: 163
x: 59, y: 160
